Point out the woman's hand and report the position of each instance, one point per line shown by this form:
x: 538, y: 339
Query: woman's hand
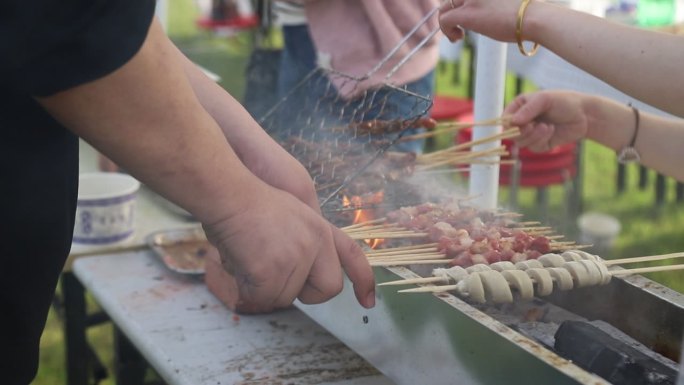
x: 494, y: 18
x: 548, y: 119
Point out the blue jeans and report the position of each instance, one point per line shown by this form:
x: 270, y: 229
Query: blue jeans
x: 308, y: 91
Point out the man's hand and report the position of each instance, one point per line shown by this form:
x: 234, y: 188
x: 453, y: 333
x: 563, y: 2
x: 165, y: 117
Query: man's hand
x: 279, y: 249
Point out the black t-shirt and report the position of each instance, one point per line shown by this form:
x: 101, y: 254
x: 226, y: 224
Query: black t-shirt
x: 46, y: 46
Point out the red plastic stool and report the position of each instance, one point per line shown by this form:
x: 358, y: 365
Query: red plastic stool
x: 538, y: 170
x: 233, y: 23
x: 450, y: 108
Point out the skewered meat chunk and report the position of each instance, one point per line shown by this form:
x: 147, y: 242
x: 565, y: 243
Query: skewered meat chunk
x: 470, y: 236
x: 382, y: 127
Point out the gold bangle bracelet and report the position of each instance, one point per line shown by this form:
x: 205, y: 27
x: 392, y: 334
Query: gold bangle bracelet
x: 518, y: 29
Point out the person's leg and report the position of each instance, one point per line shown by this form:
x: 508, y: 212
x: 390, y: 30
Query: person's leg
x: 409, y: 106
x: 295, y: 98
x: 298, y: 58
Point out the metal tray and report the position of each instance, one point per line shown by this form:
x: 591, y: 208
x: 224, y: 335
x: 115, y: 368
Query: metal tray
x: 181, y: 250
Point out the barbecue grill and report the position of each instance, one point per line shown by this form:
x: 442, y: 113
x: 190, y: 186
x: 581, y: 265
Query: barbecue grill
x: 440, y: 339
x: 626, y: 332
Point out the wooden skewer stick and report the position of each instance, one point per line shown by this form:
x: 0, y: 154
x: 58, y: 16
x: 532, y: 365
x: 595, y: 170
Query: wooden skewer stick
x: 504, y: 120
x: 413, y: 281
x: 406, y: 263
x: 535, y: 229
x: 610, y: 262
x: 508, y: 215
x: 478, y: 161
x: 463, y: 159
x: 440, y: 131
x: 368, y: 229
x: 452, y: 155
x: 562, y: 244
x: 651, y: 269
x: 399, y: 253
x: 387, y: 235
x: 570, y: 247
x: 430, y: 289
x: 357, y: 225
x: 399, y: 230
x: 522, y: 224
x: 401, y: 248
x: 506, y: 134
x: 409, y: 258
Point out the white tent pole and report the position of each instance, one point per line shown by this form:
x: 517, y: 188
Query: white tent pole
x: 490, y: 77
x: 162, y: 12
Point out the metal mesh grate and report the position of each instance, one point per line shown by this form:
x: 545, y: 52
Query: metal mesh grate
x: 344, y: 142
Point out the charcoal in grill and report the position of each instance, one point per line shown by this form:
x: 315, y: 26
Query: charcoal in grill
x: 598, y: 352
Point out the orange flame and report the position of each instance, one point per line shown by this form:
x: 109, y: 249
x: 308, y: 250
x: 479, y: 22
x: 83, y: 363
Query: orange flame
x: 364, y: 215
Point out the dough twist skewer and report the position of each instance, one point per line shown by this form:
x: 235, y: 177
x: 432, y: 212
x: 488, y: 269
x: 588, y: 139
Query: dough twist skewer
x: 502, y: 282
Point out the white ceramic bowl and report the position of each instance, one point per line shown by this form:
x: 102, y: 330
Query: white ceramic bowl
x: 105, y: 213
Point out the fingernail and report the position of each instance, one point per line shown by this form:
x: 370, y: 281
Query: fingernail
x: 370, y: 299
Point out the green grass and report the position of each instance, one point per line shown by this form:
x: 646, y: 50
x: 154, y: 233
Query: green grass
x: 646, y: 229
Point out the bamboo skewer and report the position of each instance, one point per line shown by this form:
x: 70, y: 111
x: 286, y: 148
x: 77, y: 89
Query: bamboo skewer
x: 362, y: 224
x: 448, y: 130
x: 507, y: 134
x: 451, y: 127
x: 401, y: 253
x: 462, y: 159
x: 508, y: 215
x: 415, y: 281
x: 409, y: 258
x: 651, y: 269
x: 444, y: 155
x: 368, y: 229
x: 651, y: 258
x: 534, y: 228
x: 402, y: 248
x: 360, y: 236
x: 430, y: 289
x: 412, y: 262
x: 528, y: 223
x: 504, y: 120
x: 569, y: 247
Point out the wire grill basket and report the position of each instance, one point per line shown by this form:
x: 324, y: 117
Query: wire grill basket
x: 345, y: 142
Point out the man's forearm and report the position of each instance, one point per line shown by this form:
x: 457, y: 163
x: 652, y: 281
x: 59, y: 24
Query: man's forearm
x: 258, y: 151
x: 146, y: 117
